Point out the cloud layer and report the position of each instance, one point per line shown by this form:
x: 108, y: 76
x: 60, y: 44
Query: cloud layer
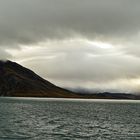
x: 89, y: 43
x: 83, y: 64
x: 31, y: 21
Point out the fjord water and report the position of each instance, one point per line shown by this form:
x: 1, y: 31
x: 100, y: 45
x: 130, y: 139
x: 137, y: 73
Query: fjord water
x: 59, y: 119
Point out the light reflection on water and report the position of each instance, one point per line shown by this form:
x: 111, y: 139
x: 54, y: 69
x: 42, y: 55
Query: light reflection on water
x: 68, y: 119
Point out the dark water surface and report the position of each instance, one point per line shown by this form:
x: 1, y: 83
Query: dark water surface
x: 59, y: 119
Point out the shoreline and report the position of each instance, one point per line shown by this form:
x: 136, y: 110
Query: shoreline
x: 72, y: 99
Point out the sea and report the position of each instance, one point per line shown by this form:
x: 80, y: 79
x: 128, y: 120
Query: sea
x: 69, y: 119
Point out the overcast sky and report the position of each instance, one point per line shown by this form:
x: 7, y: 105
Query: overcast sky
x: 91, y: 44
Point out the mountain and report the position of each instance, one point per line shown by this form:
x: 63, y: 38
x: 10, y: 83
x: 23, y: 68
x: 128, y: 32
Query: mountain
x: 108, y: 95
x: 16, y: 80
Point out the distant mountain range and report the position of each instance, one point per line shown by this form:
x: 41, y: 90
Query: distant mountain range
x: 18, y: 81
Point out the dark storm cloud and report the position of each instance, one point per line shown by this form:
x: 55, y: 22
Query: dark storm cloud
x: 31, y: 21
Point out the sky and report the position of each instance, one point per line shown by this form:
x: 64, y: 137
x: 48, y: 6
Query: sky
x: 79, y: 44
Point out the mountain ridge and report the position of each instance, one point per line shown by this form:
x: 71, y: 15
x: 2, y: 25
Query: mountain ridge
x: 18, y: 81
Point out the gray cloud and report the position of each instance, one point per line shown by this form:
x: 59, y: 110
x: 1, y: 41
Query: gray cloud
x: 32, y: 21
x: 4, y: 55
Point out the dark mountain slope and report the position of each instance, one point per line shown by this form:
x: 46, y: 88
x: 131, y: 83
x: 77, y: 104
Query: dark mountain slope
x: 16, y: 80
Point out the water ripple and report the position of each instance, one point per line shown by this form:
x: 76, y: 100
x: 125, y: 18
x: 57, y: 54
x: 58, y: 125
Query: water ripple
x: 68, y: 120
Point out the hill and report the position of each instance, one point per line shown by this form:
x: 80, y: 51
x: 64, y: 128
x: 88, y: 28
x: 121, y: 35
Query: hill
x: 18, y: 81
